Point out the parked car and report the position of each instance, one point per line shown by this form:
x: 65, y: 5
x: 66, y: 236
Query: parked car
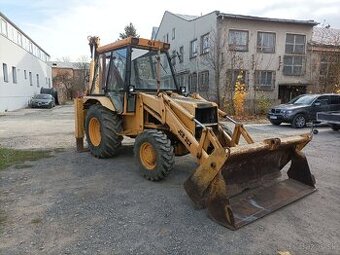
x: 42, y: 100
x: 303, y: 109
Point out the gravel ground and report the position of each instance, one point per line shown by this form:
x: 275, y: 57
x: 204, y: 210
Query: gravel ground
x: 73, y: 203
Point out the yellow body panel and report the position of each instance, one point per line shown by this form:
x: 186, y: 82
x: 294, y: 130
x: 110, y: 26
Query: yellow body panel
x: 103, y: 100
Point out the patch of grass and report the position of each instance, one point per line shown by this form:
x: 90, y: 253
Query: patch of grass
x: 22, y: 166
x: 3, y: 217
x: 59, y: 150
x: 10, y: 157
x: 36, y: 221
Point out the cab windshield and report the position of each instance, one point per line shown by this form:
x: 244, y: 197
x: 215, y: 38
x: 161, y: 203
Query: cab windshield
x: 150, y: 67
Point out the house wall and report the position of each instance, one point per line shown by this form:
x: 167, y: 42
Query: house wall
x: 253, y: 60
x: 218, y: 28
x: 15, y: 95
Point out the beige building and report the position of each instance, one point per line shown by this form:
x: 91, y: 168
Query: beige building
x: 214, y: 49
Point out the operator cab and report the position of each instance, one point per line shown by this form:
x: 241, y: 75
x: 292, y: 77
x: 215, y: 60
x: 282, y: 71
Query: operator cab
x: 123, y: 71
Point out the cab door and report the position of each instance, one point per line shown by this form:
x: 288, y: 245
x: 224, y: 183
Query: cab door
x: 115, y: 75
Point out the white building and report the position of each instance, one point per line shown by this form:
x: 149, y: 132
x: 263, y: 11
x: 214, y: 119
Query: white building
x: 23, y: 67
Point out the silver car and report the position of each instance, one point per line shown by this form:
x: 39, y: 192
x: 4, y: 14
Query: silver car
x: 42, y: 100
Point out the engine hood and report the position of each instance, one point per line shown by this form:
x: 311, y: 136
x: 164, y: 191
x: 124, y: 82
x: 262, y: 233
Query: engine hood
x: 290, y: 106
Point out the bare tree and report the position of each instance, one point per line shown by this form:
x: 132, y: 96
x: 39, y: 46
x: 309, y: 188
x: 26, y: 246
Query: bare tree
x: 64, y: 80
x: 81, y: 75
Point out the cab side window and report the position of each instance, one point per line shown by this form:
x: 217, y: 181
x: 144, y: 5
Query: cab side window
x: 116, y: 70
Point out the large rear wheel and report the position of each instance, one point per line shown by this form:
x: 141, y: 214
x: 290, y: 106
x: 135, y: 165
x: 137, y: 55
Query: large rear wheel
x: 154, y: 154
x: 102, y: 128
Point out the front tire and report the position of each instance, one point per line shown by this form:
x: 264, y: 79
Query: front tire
x: 102, y: 128
x: 276, y: 122
x: 335, y: 127
x: 155, y: 154
x: 299, y: 121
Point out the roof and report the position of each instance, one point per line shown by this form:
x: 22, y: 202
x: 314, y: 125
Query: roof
x: 190, y: 18
x: 16, y: 27
x: 326, y: 36
x: 186, y: 17
x: 137, y: 42
x: 266, y: 19
x: 69, y: 65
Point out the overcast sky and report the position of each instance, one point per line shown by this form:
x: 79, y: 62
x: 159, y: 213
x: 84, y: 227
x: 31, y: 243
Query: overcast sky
x: 61, y: 27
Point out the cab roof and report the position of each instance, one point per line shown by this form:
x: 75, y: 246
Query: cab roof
x: 133, y: 41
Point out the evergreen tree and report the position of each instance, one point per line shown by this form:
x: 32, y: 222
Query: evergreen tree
x: 129, y: 30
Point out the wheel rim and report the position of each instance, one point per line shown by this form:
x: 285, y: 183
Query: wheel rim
x: 300, y: 121
x: 148, y: 156
x: 94, y: 131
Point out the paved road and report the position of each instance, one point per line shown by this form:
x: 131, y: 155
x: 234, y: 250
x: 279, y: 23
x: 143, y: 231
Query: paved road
x: 73, y: 203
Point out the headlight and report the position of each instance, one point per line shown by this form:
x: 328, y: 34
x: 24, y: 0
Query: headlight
x: 289, y: 111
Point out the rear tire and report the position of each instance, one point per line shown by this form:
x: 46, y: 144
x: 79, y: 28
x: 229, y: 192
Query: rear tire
x: 102, y: 127
x: 154, y: 154
x: 276, y: 122
x: 299, y: 121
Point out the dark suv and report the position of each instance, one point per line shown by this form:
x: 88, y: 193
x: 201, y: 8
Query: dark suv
x: 303, y: 109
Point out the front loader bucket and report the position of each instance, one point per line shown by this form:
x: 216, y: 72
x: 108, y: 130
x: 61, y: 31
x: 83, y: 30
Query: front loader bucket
x: 241, y: 184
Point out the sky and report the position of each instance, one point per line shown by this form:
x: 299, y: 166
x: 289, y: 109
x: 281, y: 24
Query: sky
x: 61, y: 27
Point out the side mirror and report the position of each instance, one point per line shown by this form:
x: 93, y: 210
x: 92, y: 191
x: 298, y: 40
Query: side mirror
x: 183, y: 90
x: 317, y: 104
x: 131, y: 89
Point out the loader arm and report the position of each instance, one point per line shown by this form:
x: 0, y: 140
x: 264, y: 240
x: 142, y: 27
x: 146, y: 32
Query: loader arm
x: 164, y: 111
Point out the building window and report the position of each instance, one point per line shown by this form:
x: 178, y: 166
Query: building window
x: 238, y: 40
x: 3, y: 27
x: 193, y: 48
x: 173, y: 33
x: 30, y: 46
x: 193, y: 82
x: 181, y: 78
x: 14, y: 74
x: 266, y: 42
x: 293, y: 65
x: 173, y: 57
x: 203, y: 81
x: 19, y: 38
x: 5, y: 71
x: 265, y: 79
x: 205, y: 45
x: 31, y: 79
x: 25, y: 74
x: 181, y: 54
x: 38, y: 84
x: 295, y: 44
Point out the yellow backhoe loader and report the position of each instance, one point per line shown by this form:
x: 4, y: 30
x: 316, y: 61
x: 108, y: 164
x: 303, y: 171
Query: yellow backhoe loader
x: 133, y: 92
